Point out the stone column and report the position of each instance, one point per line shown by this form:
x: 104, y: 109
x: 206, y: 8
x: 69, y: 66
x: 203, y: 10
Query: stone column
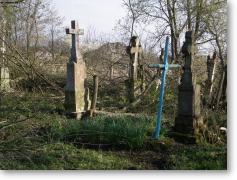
x: 189, y: 111
x: 77, y: 93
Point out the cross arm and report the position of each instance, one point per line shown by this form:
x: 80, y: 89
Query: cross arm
x: 162, y: 66
x: 75, y: 31
x: 173, y: 66
x: 157, y: 66
x: 136, y: 50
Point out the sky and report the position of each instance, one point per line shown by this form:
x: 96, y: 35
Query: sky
x: 102, y: 15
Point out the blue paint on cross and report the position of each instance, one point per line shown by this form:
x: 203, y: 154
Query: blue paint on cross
x: 165, y: 67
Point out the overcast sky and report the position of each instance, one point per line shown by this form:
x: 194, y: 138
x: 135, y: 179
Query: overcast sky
x: 99, y: 14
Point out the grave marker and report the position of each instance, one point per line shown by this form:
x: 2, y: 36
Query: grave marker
x: 135, y: 82
x: 164, y: 67
x: 189, y: 119
x: 135, y: 51
x: 76, y: 94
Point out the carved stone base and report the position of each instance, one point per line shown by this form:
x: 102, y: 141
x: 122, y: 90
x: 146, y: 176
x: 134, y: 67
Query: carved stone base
x: 76, y: 93
x: 187, y: 123
x: 134, y: 89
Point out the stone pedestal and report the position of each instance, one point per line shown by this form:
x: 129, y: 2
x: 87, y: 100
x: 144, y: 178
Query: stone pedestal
x: 189, y: 121
x: 189, y: 112
x: 76, y: 93
x: 4, y: 79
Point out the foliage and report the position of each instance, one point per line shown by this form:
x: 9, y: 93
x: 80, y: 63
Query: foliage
x: 67, y: 157
x: 35, y: 134
x: 214, y: 121
x: 118, y: 132
x: 199, y: 158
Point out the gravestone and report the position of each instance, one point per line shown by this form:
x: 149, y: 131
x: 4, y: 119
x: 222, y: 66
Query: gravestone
x: 189, y: 120
x: 135, y: 82
x: 77, y: 93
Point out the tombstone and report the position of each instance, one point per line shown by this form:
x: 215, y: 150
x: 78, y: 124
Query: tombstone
x: 77, y: 93
x: 135, y: 82
x: 189, y: 120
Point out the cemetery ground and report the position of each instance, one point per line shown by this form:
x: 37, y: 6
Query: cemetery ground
x: 36, y: 134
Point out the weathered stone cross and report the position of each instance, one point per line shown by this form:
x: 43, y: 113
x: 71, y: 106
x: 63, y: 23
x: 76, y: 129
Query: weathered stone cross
x: 165, y: 67
x: 135, y: 50
x: 75, y: 32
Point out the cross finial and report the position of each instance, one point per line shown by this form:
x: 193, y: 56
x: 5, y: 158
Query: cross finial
x: 75, y: 32
x: 135, y: 45
x: 186, y: 49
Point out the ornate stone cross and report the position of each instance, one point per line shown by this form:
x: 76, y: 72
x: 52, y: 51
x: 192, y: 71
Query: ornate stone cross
x: 75, y: 32
x: 135, y: 50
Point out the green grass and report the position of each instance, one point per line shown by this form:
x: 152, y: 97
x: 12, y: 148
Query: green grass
x: 117, y: 132
x: 206, y: 157
x: 35, y: 134
x: 67, y: 157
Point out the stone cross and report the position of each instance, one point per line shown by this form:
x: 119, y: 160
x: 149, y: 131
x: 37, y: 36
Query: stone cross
x: 76, y: 92
x: 135, y: 50
x: 75, y: 32
x: 165, y: 67
x: 189, y: 118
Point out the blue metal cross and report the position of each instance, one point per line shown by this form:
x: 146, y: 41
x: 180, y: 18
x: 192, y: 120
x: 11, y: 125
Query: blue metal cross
x: 165, y: 67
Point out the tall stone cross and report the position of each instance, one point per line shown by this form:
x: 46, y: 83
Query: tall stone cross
x: 75, y: 32
x: 165, y: 67
x: 135, y: 50
x: 76, y: 92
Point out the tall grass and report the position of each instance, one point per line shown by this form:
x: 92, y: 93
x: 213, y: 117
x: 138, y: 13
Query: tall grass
x: 118, y: 132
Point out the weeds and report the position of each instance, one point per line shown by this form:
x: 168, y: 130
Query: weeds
x: 35, y: 134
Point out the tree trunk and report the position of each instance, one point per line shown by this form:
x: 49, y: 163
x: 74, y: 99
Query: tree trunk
x: 95, y: 94
x: 222, y: 88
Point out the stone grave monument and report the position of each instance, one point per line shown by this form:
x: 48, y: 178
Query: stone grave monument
x: 188, y: 121
x: 77, y: 93
x: 135, y: 82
